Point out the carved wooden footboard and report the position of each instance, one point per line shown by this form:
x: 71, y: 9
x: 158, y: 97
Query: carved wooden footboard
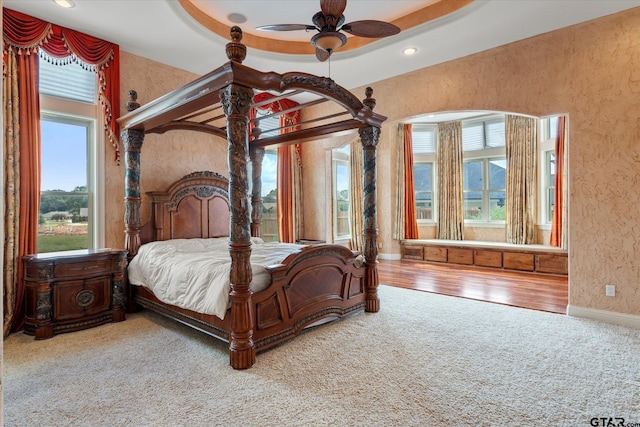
x: 319, y: 283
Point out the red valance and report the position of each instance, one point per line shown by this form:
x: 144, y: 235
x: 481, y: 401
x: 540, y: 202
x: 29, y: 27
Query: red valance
x: 27, y: 34
x: 277, y: 106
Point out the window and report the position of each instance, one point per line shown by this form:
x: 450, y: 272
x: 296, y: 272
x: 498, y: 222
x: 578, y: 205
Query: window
x: 423, y: 186
x: 549, y: 134
x: 269, y: 223
x: 484, y: 169
x: 424, y: 149
x: 72, y: 199
x: 269, y: 123
x: 340, y: 161
x: 269, y: 177
x: 550, y: 181
x: 484, y: 189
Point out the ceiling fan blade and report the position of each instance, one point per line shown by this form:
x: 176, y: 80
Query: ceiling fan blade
x: 370, y: 28
x: 333, y: 8
x: 322, y: 54
x: 286, y: 27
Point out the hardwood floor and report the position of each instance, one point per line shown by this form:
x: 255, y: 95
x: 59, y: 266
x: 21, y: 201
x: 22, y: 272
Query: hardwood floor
x: 533, y: 291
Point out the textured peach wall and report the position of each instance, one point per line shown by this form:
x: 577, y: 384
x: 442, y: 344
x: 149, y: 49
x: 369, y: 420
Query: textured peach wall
x: 589, y: 71
x: 165, y: 158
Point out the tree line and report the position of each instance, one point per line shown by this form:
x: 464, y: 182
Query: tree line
x: 64, y: 202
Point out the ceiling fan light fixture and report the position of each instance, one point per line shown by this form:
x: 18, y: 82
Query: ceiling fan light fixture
x: 68, y: 4
x: 329, y: 41
x: 237, y: 18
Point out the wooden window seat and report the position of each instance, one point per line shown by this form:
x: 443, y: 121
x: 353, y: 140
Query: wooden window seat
x: 507, y: 256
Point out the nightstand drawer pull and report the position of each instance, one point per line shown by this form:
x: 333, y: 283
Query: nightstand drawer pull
x: 85, y: 298
x: 85, y: 268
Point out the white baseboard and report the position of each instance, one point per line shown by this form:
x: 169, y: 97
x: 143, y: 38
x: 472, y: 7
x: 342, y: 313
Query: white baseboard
x: 390, y: 257
x: 628, y: 320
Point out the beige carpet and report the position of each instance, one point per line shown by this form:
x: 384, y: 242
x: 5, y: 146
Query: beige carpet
x: 424, y: 360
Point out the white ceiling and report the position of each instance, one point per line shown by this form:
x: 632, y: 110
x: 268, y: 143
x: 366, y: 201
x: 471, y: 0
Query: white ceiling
x: 161, y: 30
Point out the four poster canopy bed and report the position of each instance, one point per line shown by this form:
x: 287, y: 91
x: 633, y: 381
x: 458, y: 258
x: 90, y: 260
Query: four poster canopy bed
x: 306, y: 285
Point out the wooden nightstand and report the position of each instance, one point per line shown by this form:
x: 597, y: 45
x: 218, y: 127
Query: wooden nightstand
x: 70, y: 291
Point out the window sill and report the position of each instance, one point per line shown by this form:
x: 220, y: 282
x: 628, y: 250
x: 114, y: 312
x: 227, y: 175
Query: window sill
x: 484, y: 224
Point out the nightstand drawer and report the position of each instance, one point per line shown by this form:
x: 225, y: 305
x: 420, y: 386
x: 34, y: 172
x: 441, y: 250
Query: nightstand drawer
x: 79, y: 298
x: 82, y: 268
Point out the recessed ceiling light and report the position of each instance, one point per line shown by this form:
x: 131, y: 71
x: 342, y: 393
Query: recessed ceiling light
x: 65, y: 3
x: 410, y: 51
x: 237, y: 18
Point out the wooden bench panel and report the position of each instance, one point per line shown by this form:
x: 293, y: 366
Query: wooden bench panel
x: 412, y: 252
x: 432, y: 253
x: 488, y: 258
x: 538, y: 259
x: 518, y: 261
x: 552, y: 263
x: 460, y: 256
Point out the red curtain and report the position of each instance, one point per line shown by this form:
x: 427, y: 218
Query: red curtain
x: 556, y: 224
x: 284, y: 200
x: 410, y: 221
x: 27, y: 34
x: 29, y: 193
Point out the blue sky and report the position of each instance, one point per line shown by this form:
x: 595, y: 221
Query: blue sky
x: 269, y: 173
x: 64, y: 156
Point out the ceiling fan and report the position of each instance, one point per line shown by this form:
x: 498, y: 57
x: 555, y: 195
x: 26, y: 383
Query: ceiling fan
x: 329, y: 23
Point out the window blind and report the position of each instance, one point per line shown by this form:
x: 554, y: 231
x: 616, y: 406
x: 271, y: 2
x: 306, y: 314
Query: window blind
x: 269, y: 125
x: 495, y: 133
x: 69, y: 81
x: 472, y: 135
x: 423, y: 138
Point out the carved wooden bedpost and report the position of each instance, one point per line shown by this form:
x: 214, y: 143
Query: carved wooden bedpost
x: 236, y: 102
x: 132, y: 140
x: 369, y: 137
x: 257, y: 155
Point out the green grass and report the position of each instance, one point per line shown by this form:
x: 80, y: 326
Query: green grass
x: 52, y: 243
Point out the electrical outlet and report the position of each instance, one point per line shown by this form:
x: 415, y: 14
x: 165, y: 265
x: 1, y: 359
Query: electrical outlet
x: 610, y: 290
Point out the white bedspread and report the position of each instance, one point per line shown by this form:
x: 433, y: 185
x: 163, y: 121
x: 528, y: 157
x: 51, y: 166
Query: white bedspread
x: 194, y: 273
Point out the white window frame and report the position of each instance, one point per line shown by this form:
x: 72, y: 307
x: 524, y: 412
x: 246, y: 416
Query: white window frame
x: 75, y: 112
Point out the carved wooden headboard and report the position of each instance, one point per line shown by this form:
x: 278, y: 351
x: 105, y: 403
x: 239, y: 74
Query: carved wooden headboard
x: 195, y: 206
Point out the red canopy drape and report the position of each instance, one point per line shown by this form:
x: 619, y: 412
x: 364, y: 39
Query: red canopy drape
x: 27, y: 34
x: 278, y: 105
